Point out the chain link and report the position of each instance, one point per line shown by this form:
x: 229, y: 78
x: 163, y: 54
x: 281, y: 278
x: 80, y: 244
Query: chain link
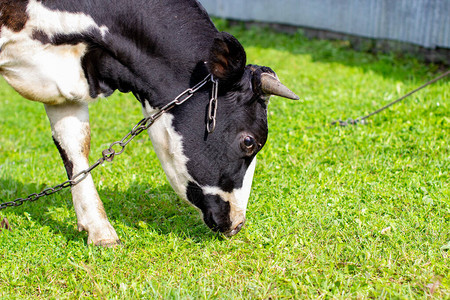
x: 110, y: 153
x: 212, y: 108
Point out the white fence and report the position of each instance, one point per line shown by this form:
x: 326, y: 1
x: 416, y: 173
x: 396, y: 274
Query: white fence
x: 422, y: 22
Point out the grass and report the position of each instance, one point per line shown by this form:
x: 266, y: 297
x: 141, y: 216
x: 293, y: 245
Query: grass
x: 355, y: 212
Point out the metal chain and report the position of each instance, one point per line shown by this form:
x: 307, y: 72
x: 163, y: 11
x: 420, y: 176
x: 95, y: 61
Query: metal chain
x: 109, y: 153
x: 212, y: 108
x: 362, y: 120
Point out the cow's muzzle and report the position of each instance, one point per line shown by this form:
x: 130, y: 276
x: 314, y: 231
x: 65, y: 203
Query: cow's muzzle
x: 235, y: 230
x: 226, y: 228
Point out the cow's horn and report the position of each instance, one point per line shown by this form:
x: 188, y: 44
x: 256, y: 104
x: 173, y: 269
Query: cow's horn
x: 270, y: 85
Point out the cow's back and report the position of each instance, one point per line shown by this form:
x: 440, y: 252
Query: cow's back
x: 44, y: 47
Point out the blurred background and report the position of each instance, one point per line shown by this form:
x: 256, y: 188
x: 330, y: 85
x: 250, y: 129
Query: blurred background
x: 416, y: 26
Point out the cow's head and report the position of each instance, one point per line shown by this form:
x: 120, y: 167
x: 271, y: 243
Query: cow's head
x: 214, y: 171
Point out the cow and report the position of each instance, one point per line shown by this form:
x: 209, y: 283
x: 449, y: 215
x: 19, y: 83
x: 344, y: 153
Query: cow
x: 66, y: 54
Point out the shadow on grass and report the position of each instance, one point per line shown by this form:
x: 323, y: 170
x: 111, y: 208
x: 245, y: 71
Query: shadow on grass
x: 157, y: 208
x: 139, y: 207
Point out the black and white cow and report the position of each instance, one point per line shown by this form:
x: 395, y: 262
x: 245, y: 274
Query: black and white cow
x: 67, y: 53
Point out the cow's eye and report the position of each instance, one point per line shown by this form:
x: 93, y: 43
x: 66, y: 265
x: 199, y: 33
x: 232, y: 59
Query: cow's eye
x: 249, y: 145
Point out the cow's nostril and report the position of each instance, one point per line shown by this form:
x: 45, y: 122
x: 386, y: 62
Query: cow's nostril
x: 235, y: 230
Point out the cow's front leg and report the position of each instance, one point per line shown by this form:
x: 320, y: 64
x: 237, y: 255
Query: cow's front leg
x: 71, y: 133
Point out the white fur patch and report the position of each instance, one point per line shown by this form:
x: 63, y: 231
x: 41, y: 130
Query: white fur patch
x: 58, y: 22
x: 238, y: 198
x: 241, y: 195
x: 43, y: 72
x: 168, y: 145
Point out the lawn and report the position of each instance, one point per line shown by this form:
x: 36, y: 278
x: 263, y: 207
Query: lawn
x: 335, y: 212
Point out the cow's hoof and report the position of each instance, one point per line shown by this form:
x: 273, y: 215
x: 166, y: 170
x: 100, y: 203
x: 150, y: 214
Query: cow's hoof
x: 105, y: 242
x: 108, y: 243
x: 104, y: 236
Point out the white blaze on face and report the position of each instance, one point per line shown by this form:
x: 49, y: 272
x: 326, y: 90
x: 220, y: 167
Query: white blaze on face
x: 44, y: 72
x: 238, y: 198
x: 243, y: 193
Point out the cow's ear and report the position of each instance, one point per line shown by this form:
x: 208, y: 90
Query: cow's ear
x: 227, y: 58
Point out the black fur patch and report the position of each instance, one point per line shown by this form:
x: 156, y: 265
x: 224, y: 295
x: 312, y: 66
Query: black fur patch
x: 216, y: 211
x: 40, y: 36
x: 217, y: 159
x: 67, y: 163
